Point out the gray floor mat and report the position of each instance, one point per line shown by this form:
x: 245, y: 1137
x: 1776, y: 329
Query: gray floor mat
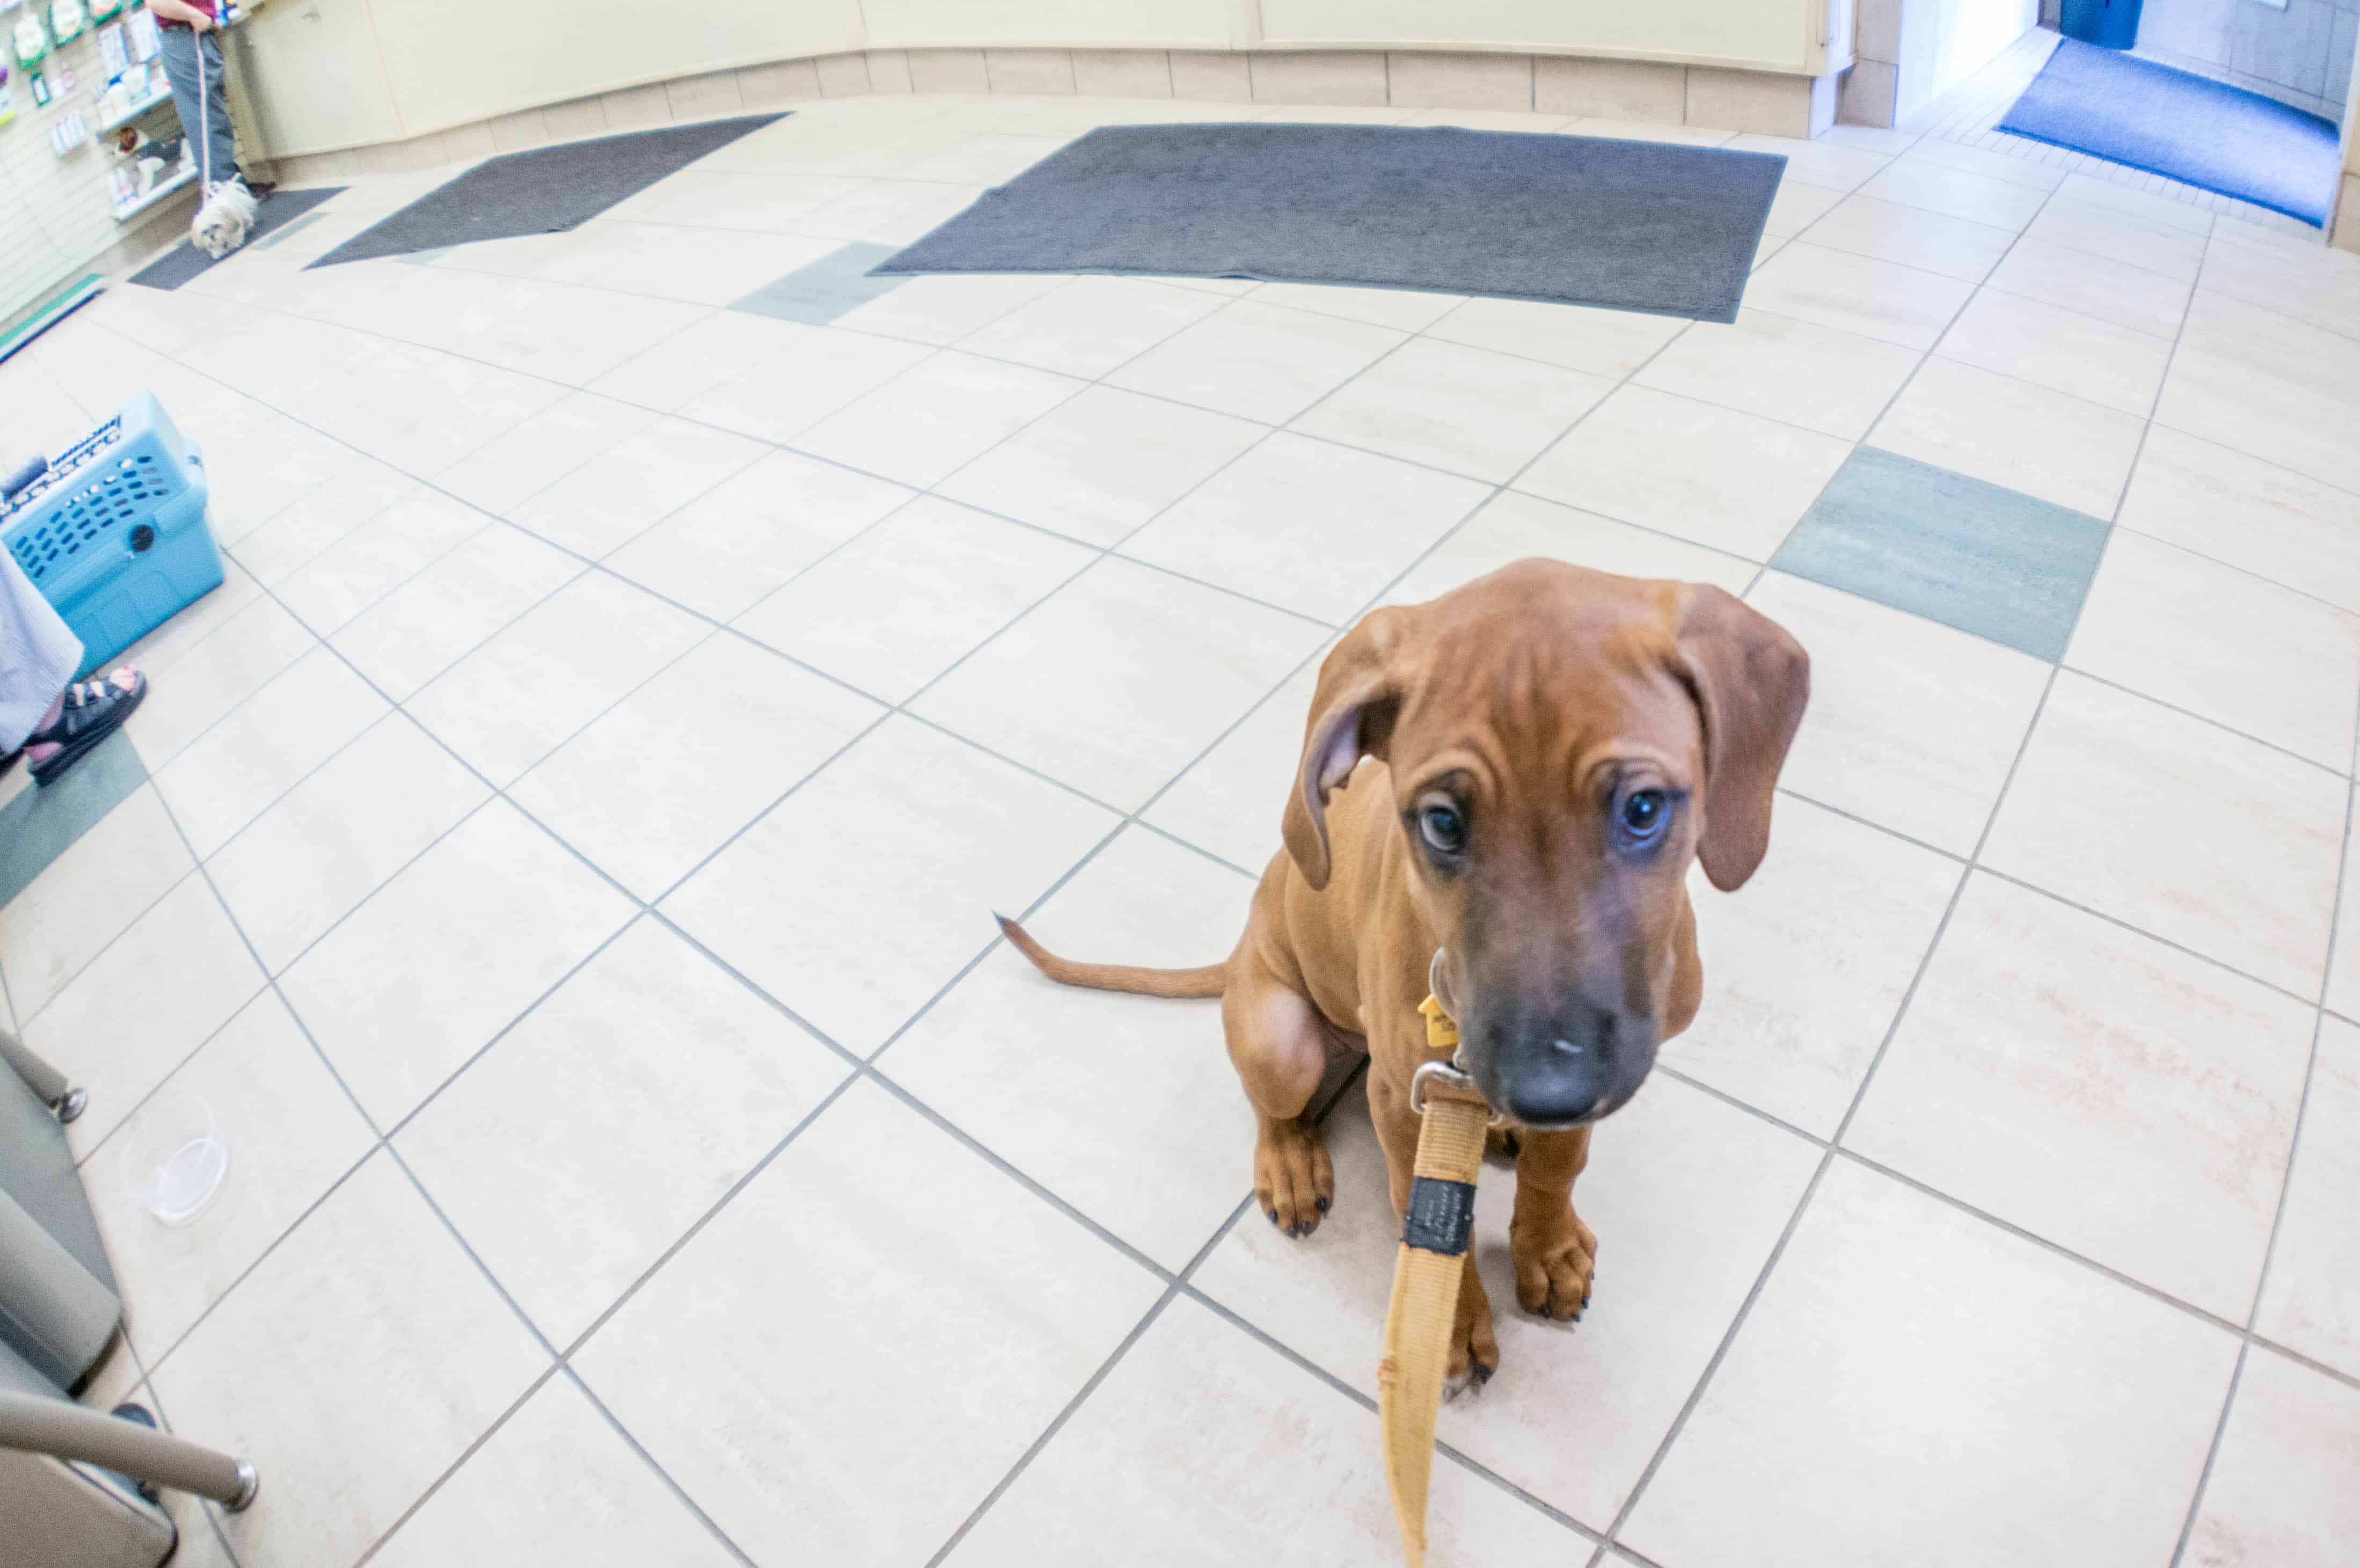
x: 280, y: 210
x: 1580, y: 220
x: 541, y: 191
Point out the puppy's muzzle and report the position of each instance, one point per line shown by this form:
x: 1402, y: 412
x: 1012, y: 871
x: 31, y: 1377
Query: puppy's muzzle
x: 1564, y: 1070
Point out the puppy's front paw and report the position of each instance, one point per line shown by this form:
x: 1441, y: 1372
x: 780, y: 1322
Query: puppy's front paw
x: 1294, y: 1183
x: 1555, y: 1264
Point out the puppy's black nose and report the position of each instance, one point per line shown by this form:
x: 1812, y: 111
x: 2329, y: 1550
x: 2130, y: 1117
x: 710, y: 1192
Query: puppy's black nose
x: 1561, y: 1087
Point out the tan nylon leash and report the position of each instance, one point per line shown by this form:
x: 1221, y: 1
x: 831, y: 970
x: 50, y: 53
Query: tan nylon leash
x: 1435, y: 1230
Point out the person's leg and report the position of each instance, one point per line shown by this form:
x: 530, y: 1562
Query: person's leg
x: 54, y: 723
x: 218, y: 134
x: 178, y: 55
x: 185, y: 54
x: 38, y: 654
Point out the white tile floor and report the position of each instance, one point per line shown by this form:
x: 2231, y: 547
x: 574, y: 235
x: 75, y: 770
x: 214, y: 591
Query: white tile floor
x: 573, y: 828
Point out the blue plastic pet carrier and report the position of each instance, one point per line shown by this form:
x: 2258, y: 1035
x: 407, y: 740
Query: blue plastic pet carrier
x: 113, y: 534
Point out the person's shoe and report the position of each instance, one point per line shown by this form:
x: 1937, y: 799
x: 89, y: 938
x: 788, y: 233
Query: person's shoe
x: 91, y: 711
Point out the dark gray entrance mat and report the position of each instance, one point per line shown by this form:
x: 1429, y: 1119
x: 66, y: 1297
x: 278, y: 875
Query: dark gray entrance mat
x: 280, y: 210
x: 542, y: 191
x: 1578, y: 219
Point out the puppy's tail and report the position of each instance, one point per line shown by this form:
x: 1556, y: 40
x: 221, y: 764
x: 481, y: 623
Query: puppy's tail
x: 1203, y: 982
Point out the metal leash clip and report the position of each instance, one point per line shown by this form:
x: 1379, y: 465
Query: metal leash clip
x: 1450, y: 1075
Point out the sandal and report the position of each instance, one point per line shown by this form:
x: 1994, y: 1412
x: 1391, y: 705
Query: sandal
x: 92, y: 711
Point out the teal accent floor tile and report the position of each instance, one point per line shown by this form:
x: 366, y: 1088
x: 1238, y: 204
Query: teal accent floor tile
x: 42, y: 824
x: 297, y: 227
x: 1976, y: 555
x: 819, y: 293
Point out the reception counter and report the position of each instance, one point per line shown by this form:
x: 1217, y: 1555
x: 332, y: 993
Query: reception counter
x: 324, y: 76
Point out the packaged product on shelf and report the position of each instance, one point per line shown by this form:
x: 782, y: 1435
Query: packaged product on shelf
x: 32, y: 40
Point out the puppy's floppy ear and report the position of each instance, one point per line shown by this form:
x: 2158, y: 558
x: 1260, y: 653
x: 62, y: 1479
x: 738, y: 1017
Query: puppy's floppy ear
x: 1352, y: 716
x: 1751, y: 682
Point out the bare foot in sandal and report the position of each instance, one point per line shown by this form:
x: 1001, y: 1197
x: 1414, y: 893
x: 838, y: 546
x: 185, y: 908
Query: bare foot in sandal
x: 86, y: 714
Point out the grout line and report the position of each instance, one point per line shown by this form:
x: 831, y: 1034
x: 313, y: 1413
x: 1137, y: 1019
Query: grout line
x: 1128, y: 820
x: 1721, y: 1351
x: 144, y: 910
x: 558, y: 1363
x: 2212, y: 1454
x: 1255, y: 1331
x: 1682, y: 1076
x: 696, y: 1509
x: 2020, y: 1232
x: 498, y: 1422
x: 2286, y: 752
x: 382, y: 1143
x: 1091, y: 1385
x: 2297, y: 589
x: 144, y: 1392
x: 2120, y: 923
x: 1849, y: 815
x: 1893, y: 1027
x: 954, y: 345
x: 270, y: 592
x: 2343, y: 872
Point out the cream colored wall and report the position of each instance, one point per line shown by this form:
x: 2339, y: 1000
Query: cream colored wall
x: 1751, y: 35
x: 331, y: 74
x: 451, y: 61
x: 1052, y: 23
x: 340, y: 74
x: 1943, y: 42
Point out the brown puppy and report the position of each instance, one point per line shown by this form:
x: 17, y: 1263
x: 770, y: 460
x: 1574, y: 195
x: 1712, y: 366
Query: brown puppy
x: 1516, y: 775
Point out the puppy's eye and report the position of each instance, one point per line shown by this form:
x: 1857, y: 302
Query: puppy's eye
x: 1444, y: 828
x: 1644, y: 814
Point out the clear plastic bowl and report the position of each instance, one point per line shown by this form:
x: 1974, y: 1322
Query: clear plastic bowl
x: 177, y: 1165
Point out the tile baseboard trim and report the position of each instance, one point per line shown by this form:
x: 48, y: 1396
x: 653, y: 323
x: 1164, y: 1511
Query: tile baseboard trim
x: 1767, y: 103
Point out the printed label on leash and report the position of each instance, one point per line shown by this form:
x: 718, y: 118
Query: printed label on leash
x: 1440, y: 1217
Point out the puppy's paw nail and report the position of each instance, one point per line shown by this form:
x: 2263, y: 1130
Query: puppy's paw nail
x: 1325, y: 1204
x: 1273, y: 1216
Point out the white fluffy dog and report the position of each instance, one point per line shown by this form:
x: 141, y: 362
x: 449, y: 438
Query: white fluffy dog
x: 222, y: 222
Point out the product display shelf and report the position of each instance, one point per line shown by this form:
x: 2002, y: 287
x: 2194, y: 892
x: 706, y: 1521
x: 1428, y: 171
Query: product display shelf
x: 164, y: 188
x: 161, y: 95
